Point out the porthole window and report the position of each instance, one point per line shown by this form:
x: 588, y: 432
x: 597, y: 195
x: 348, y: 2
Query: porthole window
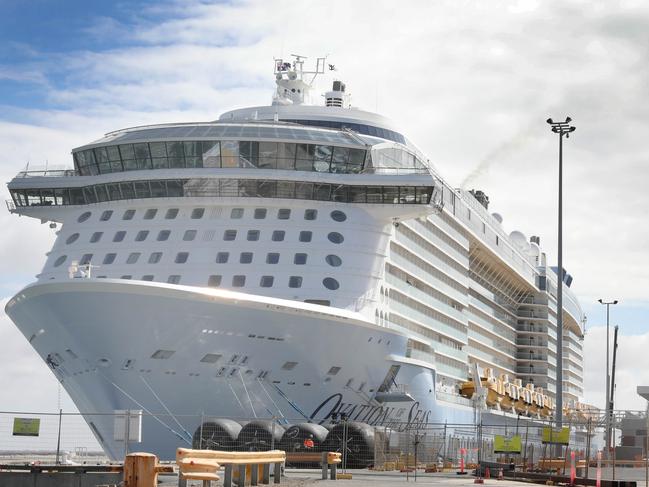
x: 330, y: 283
x: 163, y: 235
x: 189, y: 235
x: 238, y: 281
x: 283, y: 214
x: 85, y: 259
x: 266, y: 281
x: 126, y: 277
x: 133, y: 257
x: 222, y: 257
x: 260, y: 213
x: 197, y: 213
x: 181, y: 257
x: 128, y: 215
x: 148, y: 277
x: 295, y: 281
x: 72, y: 238
x: 236, y: 213
x: 96, y: 237
x: 150, y: 214
x: 253, y: 235
x: 155, y: 257
x: 109, y: 259
x: 272, y: 258
x: 300, y: 259
x: 245, y: 258
x: 306, y: 236
x: 171, y: 214
x: 214, y: 280
x: 338, y: 216
x: 335, y: 237
x: 333, y: 260
x: 119, y: 236
x: 84, y: 216
x: 173, y: 279
x: 141, y: 235
x: 60, y: 260
x: 229, y: 235
x: 310, y: 214
x: 105, y: 216
x: 278, y: 235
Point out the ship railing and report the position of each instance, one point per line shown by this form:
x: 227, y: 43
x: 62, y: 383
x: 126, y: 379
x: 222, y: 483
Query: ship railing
x: 531, y: 370
x: 45, y: 172
x: 531, y: 329
x: 395, y: 170
x: 453, y: 398
x: 533, y: 356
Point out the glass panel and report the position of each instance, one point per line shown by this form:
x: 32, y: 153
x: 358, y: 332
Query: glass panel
x: 303, y: 191
x: 114, y: 192
x: 285, y: 189
x: 391, y: 194
x: 322, y: 158
x: 59, y: 197
x: 158, y: 149
x: 357, y: 194
x: 89, y: 193
x: 90, y: 157
x: 160, y: 163
x: 304, y: 157
x: 230, y: 153
x: 142, y: 189
x: 212, y: 153
x: 267, y: 155
x: 130, y: 165
x: 116, y: 166
x: 127, y: 152
x: 194, y: 161
x: 101, y: 155
x: 142, y: 156
x: 192, y: 148
x: 102, y: 194
x: 104, y: 167
x: 374, y: 194
x: 128, y: 192
x: 267, y: 189
x: 174, y: 188
x: 77, y: 196
x: 249, y: 153
x: 322, y: 192
x: 113, y: 153
x: 339, y: 193
x: 286, y: 156
x: 175, y: 154
x: 407, y: 194
x: 158, y: 189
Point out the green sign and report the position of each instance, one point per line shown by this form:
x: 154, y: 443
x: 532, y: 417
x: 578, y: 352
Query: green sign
x: 556, y: 436
x: 26, y: 426
x: 507, y: 445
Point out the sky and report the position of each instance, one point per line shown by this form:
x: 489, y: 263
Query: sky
x: 470, y: 82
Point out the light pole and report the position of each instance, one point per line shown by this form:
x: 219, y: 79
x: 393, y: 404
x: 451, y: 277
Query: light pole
x: 560, y: 128
x: 608, y: 378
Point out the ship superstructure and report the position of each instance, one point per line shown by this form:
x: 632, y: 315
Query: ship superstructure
x: 287, y: 259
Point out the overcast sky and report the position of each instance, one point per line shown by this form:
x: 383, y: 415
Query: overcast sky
x: 470, y: 82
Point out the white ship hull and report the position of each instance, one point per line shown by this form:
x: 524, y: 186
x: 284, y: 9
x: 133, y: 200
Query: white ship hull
x: 107, y: 323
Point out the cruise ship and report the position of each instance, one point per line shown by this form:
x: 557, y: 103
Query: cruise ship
x: 295, y: 260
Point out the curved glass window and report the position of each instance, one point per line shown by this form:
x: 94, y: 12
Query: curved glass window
x: 333, y: 260
x: 84, y: 216
x: 278, y: 235
x: 197, y: 213
x: 335, y: 237
x: 338, y: 216
x: 163, y: 235
x: 330, y: 283
x: 109, y: 258
x: 260, y: 213
x: 155, y: 257
x: 245, y: 258
x: 181, y: 257
x: 128, y: 215
x: 171, y: 213
x: 222, y: 257
x: 266, y: 281
x: 238, y: 281
x: 150, y: 214
x: 72, y: 238
x: 105, y: 216
x: 119, y: 236
x: 295, y: 281
x: 96, y: 237
x: 214, y: 280
x: 60, y: 260
x: 310, y: 214
x: 141, y: 235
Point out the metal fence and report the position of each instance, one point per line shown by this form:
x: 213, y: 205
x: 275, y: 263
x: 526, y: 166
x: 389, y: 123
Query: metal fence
x: 402, y: 447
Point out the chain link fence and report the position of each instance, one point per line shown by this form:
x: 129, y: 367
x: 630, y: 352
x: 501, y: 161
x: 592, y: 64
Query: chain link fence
x: 398, y: 447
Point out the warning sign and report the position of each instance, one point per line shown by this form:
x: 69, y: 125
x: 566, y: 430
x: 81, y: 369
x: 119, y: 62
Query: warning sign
x: 26, y: 426
x: 554, y: 436
x: 507, y: 445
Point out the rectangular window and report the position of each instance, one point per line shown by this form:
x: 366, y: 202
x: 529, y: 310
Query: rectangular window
x: 272, y: 258
x: 222, y: 257
x: 266, y: 281
x: 214, y: 280
x: 96, y: 237
x: 295, y: 281
x: 253, y: 235
x: 162, y: 354
x: 283, y: 214
x: 236, y: 213
x: 141, y: 235
x: 245, y: 258
x: 310, y: 214
x: 278, y: 235
x: 109, y: 259
x: 173, y: 279
x: 300, y: 259
x: 171, y: 213
x: 238, y: 281
x: 197, y: 213
x: 260, y: 213
x: 163, y: 235
x: 119, y: 236
x: 128, y: 215
x: 150, y: 214
x: 211, y: 358
x: 181, y: 257
x: 305, y: 236
x: 133, y: 257
x: 229, y: 235
x: 126, y: 277
x: 105, y: 216
x: 189, y: 235
x: 155, y: 257
x: 148, y: 277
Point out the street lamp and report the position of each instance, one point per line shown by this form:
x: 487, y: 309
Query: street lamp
x: 560, y: 128
x: 609, y: 394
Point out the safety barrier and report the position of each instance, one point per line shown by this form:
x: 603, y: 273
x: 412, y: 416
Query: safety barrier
x: 204, y: 465
x: 328, y: 460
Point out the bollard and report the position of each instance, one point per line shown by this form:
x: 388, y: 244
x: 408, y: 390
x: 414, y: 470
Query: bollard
x: 254, y: 474
x: 462, y: 452
x: 573, y: 468
x: 333, y: 472
x: 140, y: 470
x: 487, y: 473
x: 265, y: 474
x: 227, y: 478
x: 277, y: 473
x: 598, y: 481
x: 324, y: 464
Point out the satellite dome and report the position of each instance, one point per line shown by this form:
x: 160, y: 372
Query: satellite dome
x: 519, y: 239
x: 498, y: 217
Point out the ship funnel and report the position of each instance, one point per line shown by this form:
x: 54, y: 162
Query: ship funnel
x: 337, y: 96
